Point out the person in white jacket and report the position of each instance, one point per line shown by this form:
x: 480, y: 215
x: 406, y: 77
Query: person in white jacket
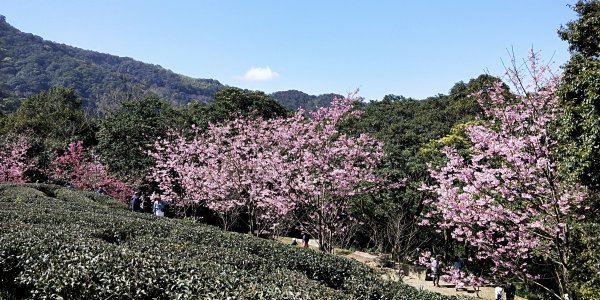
x: 436, y: 269
x: 158, y: 206
x: 498, y: 291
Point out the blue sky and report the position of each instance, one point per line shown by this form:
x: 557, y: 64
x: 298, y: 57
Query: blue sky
x: 410, y: 48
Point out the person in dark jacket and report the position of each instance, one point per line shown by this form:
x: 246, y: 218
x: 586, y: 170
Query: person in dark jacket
x: 509, y: 291
x: 101, y: 190
x: 134, y: 202
x: 305, y: 238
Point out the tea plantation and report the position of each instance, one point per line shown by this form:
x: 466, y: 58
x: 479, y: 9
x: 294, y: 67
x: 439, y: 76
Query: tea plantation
x: 57, y: 243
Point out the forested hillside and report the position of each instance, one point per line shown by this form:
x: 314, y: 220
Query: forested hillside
x: 29, y: 65
x: 294, y: 99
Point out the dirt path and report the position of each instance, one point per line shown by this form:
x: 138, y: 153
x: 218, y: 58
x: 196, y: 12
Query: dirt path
x: 446, y: 289
x: 414, y: 278
x: 417, y: 280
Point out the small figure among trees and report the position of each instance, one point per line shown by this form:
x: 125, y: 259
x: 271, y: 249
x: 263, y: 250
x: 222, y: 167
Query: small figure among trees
x: 158, y: 205
x: 436, y: 269
x: 305, y: 238
x: 134, y: 202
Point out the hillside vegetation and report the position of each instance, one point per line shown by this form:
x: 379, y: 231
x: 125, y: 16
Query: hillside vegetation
x: 66, y: 244
x: 30, y: 65
x: 294, y: 99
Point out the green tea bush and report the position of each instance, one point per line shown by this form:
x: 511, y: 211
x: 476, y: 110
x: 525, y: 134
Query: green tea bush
x: 57, y: 243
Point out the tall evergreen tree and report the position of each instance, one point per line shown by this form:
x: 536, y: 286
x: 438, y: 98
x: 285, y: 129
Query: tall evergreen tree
x: 580, y: 137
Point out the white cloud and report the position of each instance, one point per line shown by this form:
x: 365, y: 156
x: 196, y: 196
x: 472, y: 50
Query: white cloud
x: 259, y: 74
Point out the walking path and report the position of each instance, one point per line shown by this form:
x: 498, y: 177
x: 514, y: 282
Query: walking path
x: 417, y: 280
x: 414, y: 277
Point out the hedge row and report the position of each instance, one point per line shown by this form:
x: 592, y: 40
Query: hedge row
x: 56, y: 243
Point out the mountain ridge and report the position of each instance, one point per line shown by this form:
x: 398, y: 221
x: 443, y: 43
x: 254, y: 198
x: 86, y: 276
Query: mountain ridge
x: 30, y: 64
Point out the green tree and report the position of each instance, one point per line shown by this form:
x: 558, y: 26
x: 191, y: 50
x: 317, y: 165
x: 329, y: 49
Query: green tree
x: 232, y: 102
x: 463, y: 107
x: 586, y: 245
x: 50, y: 120
x: 8, y: 103
x: 124, y: 137
x: 3, y: 118
x: 580, y: 95
x: 582, y: 34
x: 579, y: 136
x: 55, y: 116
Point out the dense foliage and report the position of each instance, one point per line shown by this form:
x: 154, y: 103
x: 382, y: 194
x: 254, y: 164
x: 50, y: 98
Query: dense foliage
x: 50, y: 118
x: 294, y: 100
x: 579, y: 94
x: 60, y: 243
x: 48, y: 122
x: 124, y: 136
x: 231, y: 103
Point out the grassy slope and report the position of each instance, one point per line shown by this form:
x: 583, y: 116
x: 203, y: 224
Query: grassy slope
x: 59, y: 242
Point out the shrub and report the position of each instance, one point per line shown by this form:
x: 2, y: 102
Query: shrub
x: 60, y: 243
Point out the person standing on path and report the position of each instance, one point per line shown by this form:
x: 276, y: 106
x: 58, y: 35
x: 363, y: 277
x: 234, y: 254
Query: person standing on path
x: 510, y: 291
x: 498, y: 292
x: 436, y: 266
x: 456, y: 273
x: 305, y: 238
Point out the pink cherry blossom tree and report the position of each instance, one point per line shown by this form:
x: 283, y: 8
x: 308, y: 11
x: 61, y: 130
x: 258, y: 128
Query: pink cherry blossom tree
x: 13, y: 160
x: 231, y: 168
x: 506, y: 199
x: 325, y: 167
x: 297, y: 169
x: 80, y: 170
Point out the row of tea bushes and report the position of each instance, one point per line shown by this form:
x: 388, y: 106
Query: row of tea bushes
x: 57, y: 243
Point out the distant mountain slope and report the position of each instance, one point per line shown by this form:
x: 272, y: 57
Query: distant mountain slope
x: 294, y: 99
x: 30, y: 64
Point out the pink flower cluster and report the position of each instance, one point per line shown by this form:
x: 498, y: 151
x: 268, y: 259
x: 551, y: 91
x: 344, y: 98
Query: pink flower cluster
x: 81, y: 171
x: 505, y: 199
x: 14, y: 161
x: 270, y: 168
